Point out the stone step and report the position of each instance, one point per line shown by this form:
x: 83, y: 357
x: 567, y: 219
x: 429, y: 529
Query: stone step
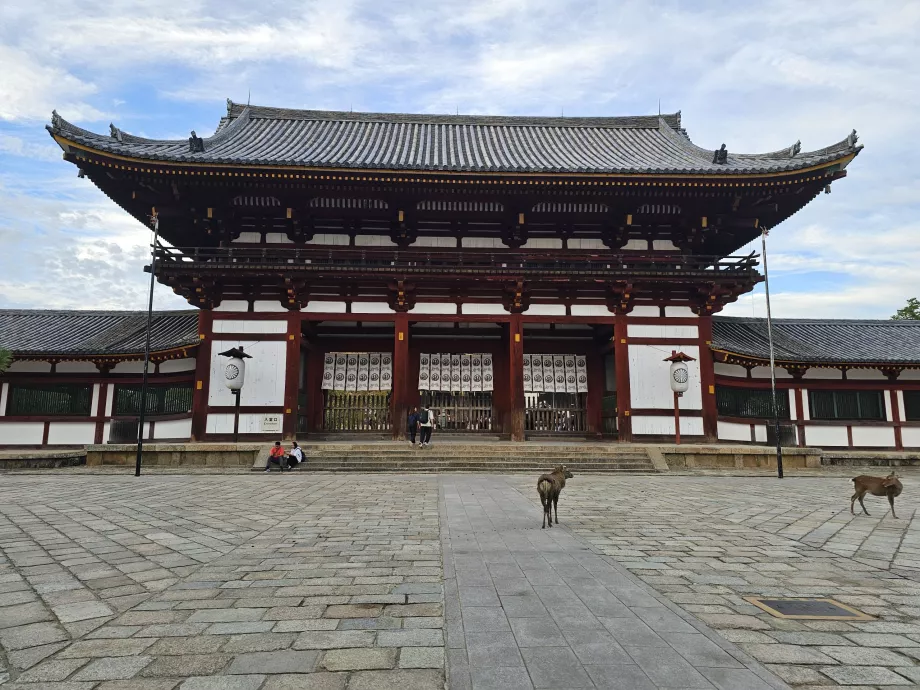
x: 475, y: 469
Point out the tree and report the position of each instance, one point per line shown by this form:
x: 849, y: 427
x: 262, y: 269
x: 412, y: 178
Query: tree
x: 6, y: 358
x: 909, y: 313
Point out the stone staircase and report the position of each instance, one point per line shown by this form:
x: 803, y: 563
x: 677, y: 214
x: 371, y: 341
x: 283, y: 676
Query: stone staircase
x: 496, y: 456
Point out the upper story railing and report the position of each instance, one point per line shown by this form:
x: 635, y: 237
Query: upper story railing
x: 389, y: 261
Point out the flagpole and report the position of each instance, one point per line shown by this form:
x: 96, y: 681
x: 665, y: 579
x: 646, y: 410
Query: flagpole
x: 766, y: 276
x: 155, y: 222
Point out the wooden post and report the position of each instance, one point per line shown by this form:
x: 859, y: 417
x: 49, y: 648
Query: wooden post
x: 401, y: 369
x: 708, y: 381
x: 896, y: 419
x: 99, y: 435
x: 291, y: 377
x: 676, y: 418
x: 202, y: 376
x: 516, y: 377
x: 621, y: 358
x: 799, y: 417
x: 595, y: 397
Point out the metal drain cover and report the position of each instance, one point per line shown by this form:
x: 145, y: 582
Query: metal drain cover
x: 809, y: 609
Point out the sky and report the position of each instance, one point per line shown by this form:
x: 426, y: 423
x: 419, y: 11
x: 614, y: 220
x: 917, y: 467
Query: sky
x: 757, y: 76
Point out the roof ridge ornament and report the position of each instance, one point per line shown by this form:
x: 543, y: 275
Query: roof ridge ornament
x: 195, y: 143
x: 852, y: 139
x: 56, y: 120
x: 229, y: 107
x: 114, y: 132
x: 720, y: 157
x: 795, y: 148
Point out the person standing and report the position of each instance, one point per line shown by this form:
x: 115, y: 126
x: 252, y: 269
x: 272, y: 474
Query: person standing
x: 412, y: 425
x: 426, y: 423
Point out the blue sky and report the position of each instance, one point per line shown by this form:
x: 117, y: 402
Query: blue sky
x: 757, y: 76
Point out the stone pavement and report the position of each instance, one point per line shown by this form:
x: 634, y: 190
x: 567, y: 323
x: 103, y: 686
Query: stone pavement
x: 336, y: 581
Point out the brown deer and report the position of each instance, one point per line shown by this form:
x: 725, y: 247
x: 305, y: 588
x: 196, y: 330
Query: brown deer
x: 877, y: 486
x: 549, y: 486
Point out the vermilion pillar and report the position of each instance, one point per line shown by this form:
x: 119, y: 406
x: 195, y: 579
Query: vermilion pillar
x: 401, y: 371
x: 596, y: 375
x: 516, y: 378
x: 708, y: 381
x: 202, y: 375
x: 291, y: 376
x: 621, y: 358
x: 896, y: 419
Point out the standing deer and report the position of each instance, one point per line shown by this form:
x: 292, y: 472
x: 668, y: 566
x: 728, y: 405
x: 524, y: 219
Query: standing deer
x: 549, y: 486
x: 877, y: 486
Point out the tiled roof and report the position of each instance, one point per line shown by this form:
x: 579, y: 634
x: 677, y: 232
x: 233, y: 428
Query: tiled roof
x: 40, y: 332
x: 820, y: 341
x: 254, y: 135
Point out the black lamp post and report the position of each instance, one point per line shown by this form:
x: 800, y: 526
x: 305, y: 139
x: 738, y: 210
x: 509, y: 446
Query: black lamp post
x: 155, y: 224
x: 234, y: 377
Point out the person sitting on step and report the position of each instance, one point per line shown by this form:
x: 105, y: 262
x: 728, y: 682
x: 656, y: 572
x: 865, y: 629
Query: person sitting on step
x: 276, y: 456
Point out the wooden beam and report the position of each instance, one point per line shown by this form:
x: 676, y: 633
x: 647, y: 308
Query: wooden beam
x: 621, y: 358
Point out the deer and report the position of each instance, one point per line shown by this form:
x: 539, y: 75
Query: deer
x: 877, y: 486
x: 549, y: 486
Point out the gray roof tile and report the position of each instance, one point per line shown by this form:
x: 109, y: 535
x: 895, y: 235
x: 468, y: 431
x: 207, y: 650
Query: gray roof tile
x: 381, y: 141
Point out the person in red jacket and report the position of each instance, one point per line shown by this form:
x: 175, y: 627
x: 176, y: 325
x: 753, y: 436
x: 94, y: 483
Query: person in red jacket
x: 276, y: 456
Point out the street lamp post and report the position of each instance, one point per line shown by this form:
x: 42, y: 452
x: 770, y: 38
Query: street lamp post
x: 679, y: 376
x: 234, y: 377
x: 155, y: 223
x: 766, y: 283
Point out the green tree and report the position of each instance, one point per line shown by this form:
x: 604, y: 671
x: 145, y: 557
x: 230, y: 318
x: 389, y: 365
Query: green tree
x: 6, y: 358
x: 909, y: 313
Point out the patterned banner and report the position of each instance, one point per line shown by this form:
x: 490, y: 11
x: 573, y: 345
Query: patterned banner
x: 445, y: 372
x: 328, y: 371
x: 536, y: 373
x: 466, y: 377
x: 476, y: 373
x: 386, y: 371
x: 340, y: 371
x: 528, y: 378
x: 487, y: 382
x: 455, y: 373
x: 581, y: 374
x: 549, y: 381
x: 434, y: 375
x: 559, y: 373
x: 424, y: 364
x: 373, y: 383
x: 364, y: 365
x: 570, y: 378
x: 351, y: 373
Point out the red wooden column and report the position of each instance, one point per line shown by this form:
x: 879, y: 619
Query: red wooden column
x: 291, y: 376
x: 708, y: 381
x: 399, y: 400
x: 896, y: 418
x: 99, y: 435
x: 595, y: 401
x: 314, y: 389
x: 621, y: 359
x: 516, y: 378
x: 202, y: 375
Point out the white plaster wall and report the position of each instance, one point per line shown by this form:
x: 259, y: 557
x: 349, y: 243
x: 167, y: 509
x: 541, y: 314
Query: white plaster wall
x: 683, y: 312
x: 105, y: 432
x: 173, y: 428
x: 820, y: 374
x: 71, y: 433
x: 636, y: 245
x: 370, y: 308
x: 730, y: 431
x: 173, y: 365
x: 586, y: 243
x: 886, y: 396
x: 267, y: 305
x: 635, y: 330
x: 130, y: 368
x: 543, y: 243
x: 910, y: 436
x: 806, y: 405
x: 374, y: 241
x: 865, y: 375
x: 690, y: 426
x: 482, y: 242
x: 232, y: 305
x: 250, y: 423
x: 76, y: 368
x: 874, y: 436
x: 94, y: 405
x: 249, y: 238
x: 278, y: 238
x: 764, y: 373
x: 264, y: 384
x: 649, y: 378
x: 760, y: 433
x: 910, y: 375
x: 4, y: 395
x: 590, y: 310
x: 546, y: 310
x: 826, y: 435
x: 253, y: 326
x: 900, y: 395
x: 792, y: 415
x: 436, y: 242
x: 645, y: 310
x: 29, y: 367
x: 475, y: 308
x: 22, y: 433
x: 735, y: 370
x: 664, y: 246
x: 109, y: 400
x: 434, y: 308
x: 332, y: 239
x: 324, y: 307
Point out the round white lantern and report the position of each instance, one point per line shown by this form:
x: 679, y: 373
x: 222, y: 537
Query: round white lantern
x: 680, y: 377
x: 234, y: 373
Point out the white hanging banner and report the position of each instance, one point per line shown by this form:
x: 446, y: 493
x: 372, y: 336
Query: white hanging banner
x: 340, y: 367
x: 487, y: 382
x: 351, y: 372
x: 476, y: 373
x: 386, y: 371
x: 571, y: 383
x: 445, y: 372
x: 536, y: 373
x: 364, y: 365
x: 455, y: 373
x: 424, y: 363
x: 581, y: 374
x: 434, y: 374
x: 549, y: 381
x: 559, y: 373
x: 528, y: 378
x: 373, y: 374
x: 328, y: 371
x: 466, y: 376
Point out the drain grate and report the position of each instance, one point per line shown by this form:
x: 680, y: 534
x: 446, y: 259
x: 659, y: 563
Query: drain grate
x: 809, y: 609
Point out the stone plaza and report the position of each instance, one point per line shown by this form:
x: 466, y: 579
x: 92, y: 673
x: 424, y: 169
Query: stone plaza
x: 365, y: 582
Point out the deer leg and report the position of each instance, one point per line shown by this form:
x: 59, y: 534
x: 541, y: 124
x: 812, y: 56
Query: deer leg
x: 556, y: 508
x: 543, y: 504
x: 891, y: 501
x: 863, y: 493
x: 852, y: 502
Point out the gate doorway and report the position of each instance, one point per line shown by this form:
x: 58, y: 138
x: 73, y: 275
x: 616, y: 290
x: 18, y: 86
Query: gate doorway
x: 460, y: 412
x: 555, y: 413
x: 356, y: 411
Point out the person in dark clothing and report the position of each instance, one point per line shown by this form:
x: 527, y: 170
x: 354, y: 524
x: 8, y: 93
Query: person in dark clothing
x: 413, y: 425
x: 425, y: 423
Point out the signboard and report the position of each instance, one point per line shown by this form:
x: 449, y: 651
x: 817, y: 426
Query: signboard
x: 271, y: 424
